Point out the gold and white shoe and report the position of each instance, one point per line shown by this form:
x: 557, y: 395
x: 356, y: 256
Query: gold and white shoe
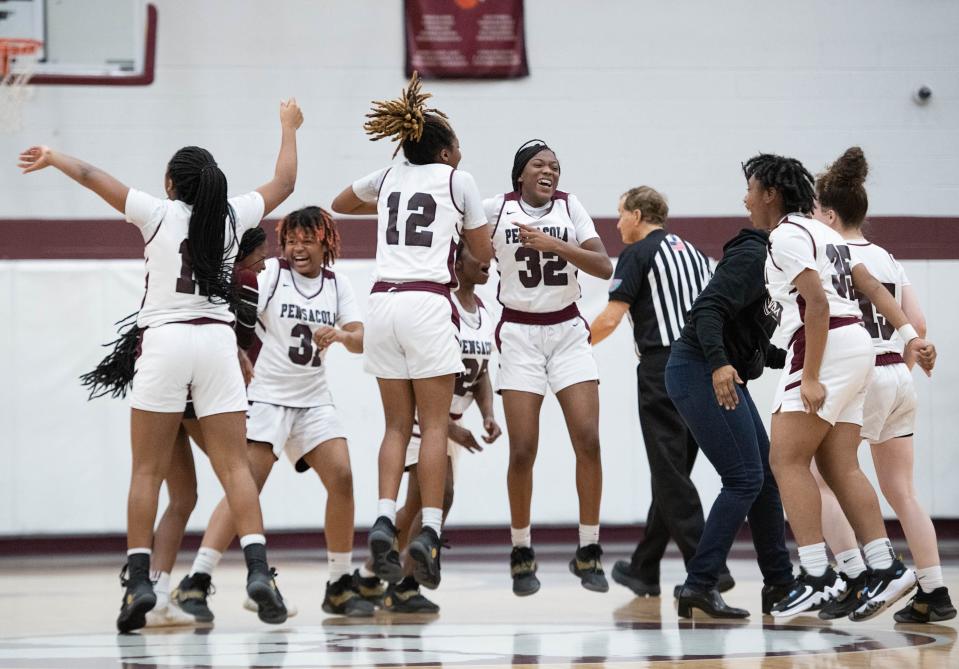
x: 170, y: 615
x: 291, y: 609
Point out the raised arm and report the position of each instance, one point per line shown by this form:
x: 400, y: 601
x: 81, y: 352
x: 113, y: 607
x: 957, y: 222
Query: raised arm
x: 110, y: 189
x: 347, y: 202
x: 281, y: 186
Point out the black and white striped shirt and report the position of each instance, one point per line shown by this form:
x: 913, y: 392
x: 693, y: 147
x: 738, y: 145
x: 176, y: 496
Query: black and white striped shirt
x: 659, y: 278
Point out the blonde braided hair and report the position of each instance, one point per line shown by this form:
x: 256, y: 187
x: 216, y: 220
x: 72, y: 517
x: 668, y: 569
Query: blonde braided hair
x: 402, y: 119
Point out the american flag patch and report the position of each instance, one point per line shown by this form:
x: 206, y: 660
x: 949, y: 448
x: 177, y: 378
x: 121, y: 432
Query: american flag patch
x: 676, y: 243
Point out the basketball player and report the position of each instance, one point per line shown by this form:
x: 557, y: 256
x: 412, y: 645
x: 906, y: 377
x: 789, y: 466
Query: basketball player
x: 889, y: 413
x: 476, y: 344
x: 304, y: 308
x: 819, y: 401
x: 423, y: 205
x: 191, y: 241
x: 181, y: 476
x: 542, y: 237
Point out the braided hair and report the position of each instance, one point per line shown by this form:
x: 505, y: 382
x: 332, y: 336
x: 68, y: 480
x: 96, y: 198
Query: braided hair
x: 524, y: 154
x: 420, y: 131
x: 199, y: 182
x: 841, y: 187
x: 315, y: 221
x: 788, y: 176
x: 251, y: 239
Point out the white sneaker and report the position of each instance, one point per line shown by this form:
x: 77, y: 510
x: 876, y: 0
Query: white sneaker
x: 884, y: 587
x: 291, y: 609
x: 170, y: 615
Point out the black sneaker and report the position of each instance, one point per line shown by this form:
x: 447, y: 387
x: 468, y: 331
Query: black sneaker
x: 623, y: 574
x: 522, y: 566
x: 808, y: 593
x: 585, y: 564
x: 927, y: 607
x: 342, y: 600
x: 139, y: 597
x: 261, y: 588
x: 385, y: 551
x: 773, y: 594
x: 425, y: 550
x: 369, y: 588
x: 885, y: 587
x: 191, y: 596
x: 405, y: 597
x: 848, y: 600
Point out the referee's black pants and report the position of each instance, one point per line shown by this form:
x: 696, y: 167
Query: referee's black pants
x: 675, y: 512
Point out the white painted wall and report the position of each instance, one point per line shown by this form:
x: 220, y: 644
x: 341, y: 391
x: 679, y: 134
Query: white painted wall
x: 673, y: 94
x: 670, y: 94
x: 66, y: 461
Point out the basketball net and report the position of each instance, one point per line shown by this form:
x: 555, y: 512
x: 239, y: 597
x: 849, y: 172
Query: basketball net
x: 14, y: 90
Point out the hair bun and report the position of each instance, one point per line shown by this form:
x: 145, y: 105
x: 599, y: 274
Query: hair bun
x: 850, y: 169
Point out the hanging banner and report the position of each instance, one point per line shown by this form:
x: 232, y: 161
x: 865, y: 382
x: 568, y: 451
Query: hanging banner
x: 465, y: 39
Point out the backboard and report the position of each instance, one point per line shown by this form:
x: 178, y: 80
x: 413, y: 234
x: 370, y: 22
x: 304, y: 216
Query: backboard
x: 86, y: 42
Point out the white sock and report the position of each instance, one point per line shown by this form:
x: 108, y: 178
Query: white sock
x: 850, y: 562
x: 433, y: 518
x: 366, y: 573
x: 134, y: 551
x: 248, y: 539
x: 522, y: 537
x: 387, y: 507
x: 339, y: 564
x: 879, y: 553
x: 161, y: 587
x: 930, y: 578
x: 813, y: 559
x: 588, y: 534
x: 205, y: 561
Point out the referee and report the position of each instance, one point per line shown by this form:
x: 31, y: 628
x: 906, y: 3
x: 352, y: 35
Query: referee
x: 657, y: 279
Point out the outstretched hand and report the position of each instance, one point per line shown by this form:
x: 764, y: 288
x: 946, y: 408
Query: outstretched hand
x: 35, y: 158
x: 291, y: 116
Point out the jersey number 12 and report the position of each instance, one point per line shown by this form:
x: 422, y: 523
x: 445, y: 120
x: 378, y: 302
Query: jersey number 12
x: 422, y: 208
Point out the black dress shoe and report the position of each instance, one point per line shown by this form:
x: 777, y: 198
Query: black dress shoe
x: 724, y: 583
x: 709, y: 602
x: 623, y: 574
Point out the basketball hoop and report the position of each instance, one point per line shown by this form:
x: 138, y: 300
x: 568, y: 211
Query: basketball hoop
x: 13, y: 85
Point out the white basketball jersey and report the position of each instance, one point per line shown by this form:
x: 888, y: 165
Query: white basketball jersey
x: 476, y: 340
x: 801, y: 243
x: 172, y: 294
x: 531, y: 281
x: 890, y: 274
x: 419, y: 221
x: 289, y: 370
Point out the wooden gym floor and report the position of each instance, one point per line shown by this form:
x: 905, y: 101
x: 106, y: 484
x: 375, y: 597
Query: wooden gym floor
x: 59, y: 613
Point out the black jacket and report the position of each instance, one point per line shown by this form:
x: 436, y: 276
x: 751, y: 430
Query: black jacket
x: 734, y: 317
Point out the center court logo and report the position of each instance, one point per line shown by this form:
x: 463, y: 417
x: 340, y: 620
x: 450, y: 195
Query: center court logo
x: 342, y: 644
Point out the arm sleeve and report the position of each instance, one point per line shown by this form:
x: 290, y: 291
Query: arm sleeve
x: 248, y: 290
x: 775, y: 357
x: 144, y: 211
x: 492, y: 207
x: 368, y: 187
x: 248, y: 210
x: 467, y: 199
x: 628, y: 278
x: 347, y: 310
x: 903, y: 278
x: 736, y: 282
x: 792, y: 251
x: 582, y: 223
x: 266, y: 282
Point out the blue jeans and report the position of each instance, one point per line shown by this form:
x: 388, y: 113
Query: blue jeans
x: 736, y: 444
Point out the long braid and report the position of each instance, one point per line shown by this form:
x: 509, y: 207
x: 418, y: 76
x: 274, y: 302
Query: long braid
x: 787, y: 175
x: 114, y: 374
x: 316, y: 221
x: 199, y: 182
x: 421, y: 131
